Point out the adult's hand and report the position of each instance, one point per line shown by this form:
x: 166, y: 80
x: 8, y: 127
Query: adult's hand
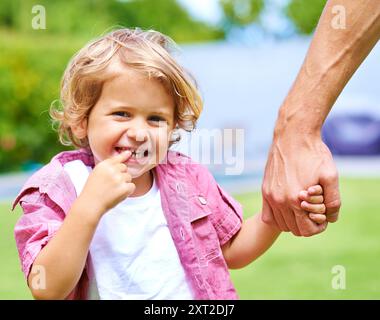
x: 296, y: 162
x: 298, y: 158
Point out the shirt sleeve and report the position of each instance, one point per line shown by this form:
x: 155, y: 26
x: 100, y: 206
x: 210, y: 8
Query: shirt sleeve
x: 228, y: 218
x: 227, y: 213
x: 41, y: 220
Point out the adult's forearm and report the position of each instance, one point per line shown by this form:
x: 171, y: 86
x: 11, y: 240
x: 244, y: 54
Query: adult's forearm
x: 333, y: 57
x: 64, y: 257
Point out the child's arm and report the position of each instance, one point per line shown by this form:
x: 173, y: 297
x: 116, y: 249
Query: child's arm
x: 255, y: 236
x: 64, y: 257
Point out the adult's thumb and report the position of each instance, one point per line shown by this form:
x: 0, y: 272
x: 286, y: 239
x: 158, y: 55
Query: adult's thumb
x: 330, y: 184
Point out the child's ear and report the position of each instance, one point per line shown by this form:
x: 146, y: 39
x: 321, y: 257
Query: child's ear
x: 80, y: 130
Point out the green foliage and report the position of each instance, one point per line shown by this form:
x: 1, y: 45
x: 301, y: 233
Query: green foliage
x: 74, y: 17
x: 166, y: 16
x: 241, y: 12
x: 30, y: 72
x: 92, y: 17
x: 305, y: 14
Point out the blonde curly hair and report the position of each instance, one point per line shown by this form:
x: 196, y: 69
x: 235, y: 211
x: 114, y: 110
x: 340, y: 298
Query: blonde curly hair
x: 146, y: 51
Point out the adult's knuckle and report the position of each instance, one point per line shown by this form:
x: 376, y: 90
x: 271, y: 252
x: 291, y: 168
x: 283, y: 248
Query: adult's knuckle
x: 266, y: 192
x: 279, y: 199
x: 293, y: 200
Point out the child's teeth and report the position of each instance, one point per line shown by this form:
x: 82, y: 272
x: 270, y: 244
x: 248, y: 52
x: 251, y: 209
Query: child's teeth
x: 140, y: 155
x: 134, y: 154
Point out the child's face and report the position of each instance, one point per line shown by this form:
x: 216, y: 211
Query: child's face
x: 133, y: 112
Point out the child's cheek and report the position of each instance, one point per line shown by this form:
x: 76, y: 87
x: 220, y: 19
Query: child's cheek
x: 161, y: 145
x: 162, y: 148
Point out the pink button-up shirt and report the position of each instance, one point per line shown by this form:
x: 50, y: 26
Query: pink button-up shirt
x: 201, y: 218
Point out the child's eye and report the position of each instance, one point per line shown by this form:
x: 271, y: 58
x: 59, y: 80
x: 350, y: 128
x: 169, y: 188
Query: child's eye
x: 121, y: 114
x: 156, y: 119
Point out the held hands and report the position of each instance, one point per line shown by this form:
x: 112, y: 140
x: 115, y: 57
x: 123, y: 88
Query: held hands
x: 295, y: 162
x: 108, y: 184
x: 312, y: 202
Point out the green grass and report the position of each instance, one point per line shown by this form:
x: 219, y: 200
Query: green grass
x: 12, y: 283
x: 301, y: 268
x: 294, y: 268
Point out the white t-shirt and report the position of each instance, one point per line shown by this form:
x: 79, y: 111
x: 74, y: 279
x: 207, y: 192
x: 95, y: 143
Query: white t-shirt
x: 132, y: 253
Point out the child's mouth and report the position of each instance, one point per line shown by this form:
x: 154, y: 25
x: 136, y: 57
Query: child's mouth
x: 137, y: 154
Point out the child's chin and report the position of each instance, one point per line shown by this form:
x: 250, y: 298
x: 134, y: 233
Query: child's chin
x: 135, y: 173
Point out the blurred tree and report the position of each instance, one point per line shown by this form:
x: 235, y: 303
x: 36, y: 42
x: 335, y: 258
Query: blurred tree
x: 166, y: 16
x: 8, y: 13
x: 305, y: 14
x: 241, y: 13
x: 92, y: 17
x: 30, y: 71
x: 62, y: 16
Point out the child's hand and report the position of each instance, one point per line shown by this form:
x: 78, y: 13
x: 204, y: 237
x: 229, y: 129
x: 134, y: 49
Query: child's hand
x: 108, y: 184
x: 312, y: 202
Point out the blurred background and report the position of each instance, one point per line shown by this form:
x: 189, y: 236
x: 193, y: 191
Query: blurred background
x: 245, y: 55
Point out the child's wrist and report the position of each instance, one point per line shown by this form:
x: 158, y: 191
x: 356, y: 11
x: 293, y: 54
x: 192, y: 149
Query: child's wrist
x: 88, y: 210
x: 273, y: 228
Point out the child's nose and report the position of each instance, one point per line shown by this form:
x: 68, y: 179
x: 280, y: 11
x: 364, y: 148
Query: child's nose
x: 137, y: 133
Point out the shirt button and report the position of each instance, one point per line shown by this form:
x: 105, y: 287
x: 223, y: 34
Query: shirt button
x: 202, y: 200
x: 178, y: 187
